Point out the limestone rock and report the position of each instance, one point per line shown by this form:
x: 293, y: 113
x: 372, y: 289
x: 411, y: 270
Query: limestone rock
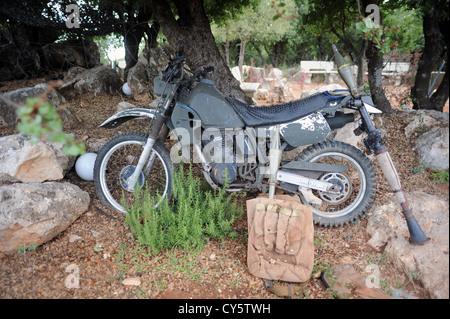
x: 63, y: 55
x: 20, y: 160
x: 432, y: 148
x: 430, y: 261
x: 98, y: 80
x: 275, y: 74
x: 34, y: 213
x: 19, y: 97
x: 131, y: 281
x: 140, y: 77
x: 423, y: 120
x: 122, y: 106
x: 282, y: 92
x: 256, y: 75
x: 101, y: 79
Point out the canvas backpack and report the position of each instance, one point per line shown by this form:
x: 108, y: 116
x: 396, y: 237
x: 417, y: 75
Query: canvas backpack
x: 280, y: 241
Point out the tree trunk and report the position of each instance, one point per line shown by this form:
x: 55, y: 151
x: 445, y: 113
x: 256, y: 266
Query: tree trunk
x: 360, y: 58
x: 261, y: 56
x: 132, y: 38
x: 241, y: 55
x: 152, y: 34
x: 439, y: 98
x: 227, y: 49
x: 374, y: 69
x: 360, y: 74
x: 427, y: 62
x: 194, y: 29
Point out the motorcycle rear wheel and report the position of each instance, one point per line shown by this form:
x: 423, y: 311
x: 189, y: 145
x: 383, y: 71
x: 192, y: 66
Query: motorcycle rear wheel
x: 116, y: 162
x: 358, y: 183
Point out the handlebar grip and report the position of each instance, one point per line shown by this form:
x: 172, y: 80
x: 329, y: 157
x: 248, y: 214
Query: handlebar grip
x: 180, y: 49
x: 203, y: 71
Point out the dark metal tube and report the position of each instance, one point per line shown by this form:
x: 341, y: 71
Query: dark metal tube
x: 374, y: 143
x: 339, y: 120
x: 417, y: 235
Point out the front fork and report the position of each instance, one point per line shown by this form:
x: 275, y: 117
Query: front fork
x: 374, y: 143
x: 158, y: 131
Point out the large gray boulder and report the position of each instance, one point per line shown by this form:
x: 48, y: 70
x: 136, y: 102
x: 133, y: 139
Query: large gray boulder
x: 140, y: 77
x: 432, y: 143
x: 22, y: 161
x: 432, y: 148
x: 17, y: 98
x: 422, y: 120
x: 429, y: 261
x: 34, y: 213
x: 98, y: 80
x: 63, y: 55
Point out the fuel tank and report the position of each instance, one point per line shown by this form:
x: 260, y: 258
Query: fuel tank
x: 306, y: 130
x: 212, y: 108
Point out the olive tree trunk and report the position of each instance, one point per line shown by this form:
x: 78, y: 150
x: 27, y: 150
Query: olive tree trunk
x: 193, y: 27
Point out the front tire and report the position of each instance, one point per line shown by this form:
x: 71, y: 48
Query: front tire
x: 358, y: 183
x: 116, y: 162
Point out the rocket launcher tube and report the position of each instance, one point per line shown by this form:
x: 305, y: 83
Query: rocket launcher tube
x: 344, y: 71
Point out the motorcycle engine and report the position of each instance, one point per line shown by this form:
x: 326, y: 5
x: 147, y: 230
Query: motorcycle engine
x: 228, y: 169
x: 223, y: 173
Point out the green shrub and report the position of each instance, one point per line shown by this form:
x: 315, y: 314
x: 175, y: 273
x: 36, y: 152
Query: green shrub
x: 188, y: 221
x: 440, y: 176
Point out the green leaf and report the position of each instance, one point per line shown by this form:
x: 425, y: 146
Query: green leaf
x: 370, y: 24
x: 45, y: 108
x: 24, y: 110
x: 74, y: 149
x: 55, y: 125
x: 24, y: 127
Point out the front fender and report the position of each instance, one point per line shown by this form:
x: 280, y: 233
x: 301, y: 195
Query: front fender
x: 126, y: 115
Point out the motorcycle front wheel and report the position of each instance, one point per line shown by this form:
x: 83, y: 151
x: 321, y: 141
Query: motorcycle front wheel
x: 116, y: 162
x: 357, y: 183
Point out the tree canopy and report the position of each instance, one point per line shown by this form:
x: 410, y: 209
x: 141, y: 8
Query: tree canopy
x: 269, y: 31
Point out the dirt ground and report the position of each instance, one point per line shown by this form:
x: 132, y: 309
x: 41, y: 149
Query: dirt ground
x: 99, y: 251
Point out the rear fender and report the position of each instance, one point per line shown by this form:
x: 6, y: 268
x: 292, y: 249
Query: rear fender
x: 119, y: 118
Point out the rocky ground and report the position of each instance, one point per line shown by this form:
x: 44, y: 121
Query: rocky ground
x: 97, y: 257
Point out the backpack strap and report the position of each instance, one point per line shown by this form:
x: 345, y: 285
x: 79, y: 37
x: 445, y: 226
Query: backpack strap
x: 285, y: 291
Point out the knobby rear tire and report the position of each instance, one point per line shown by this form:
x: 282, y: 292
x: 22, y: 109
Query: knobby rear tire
x: 360, y: 195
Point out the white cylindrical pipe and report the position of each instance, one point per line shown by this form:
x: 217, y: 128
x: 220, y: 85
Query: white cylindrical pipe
x: 275, y: 153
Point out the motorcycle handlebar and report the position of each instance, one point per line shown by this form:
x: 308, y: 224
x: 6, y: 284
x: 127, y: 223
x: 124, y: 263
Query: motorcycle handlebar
x: 180, y: 49
x: 203, y: 71
x: 174, y: 69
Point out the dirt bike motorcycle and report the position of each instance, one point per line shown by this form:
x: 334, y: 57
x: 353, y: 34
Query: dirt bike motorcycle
x: 240, y: 146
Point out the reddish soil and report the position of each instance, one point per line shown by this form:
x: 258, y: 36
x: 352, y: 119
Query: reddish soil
x: 107, y: 253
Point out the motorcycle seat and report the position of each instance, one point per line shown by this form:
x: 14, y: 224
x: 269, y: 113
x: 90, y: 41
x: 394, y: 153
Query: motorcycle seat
x: 254, y: 116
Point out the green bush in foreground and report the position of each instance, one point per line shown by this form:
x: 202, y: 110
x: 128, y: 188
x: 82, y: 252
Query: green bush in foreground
x: 188, y: 221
